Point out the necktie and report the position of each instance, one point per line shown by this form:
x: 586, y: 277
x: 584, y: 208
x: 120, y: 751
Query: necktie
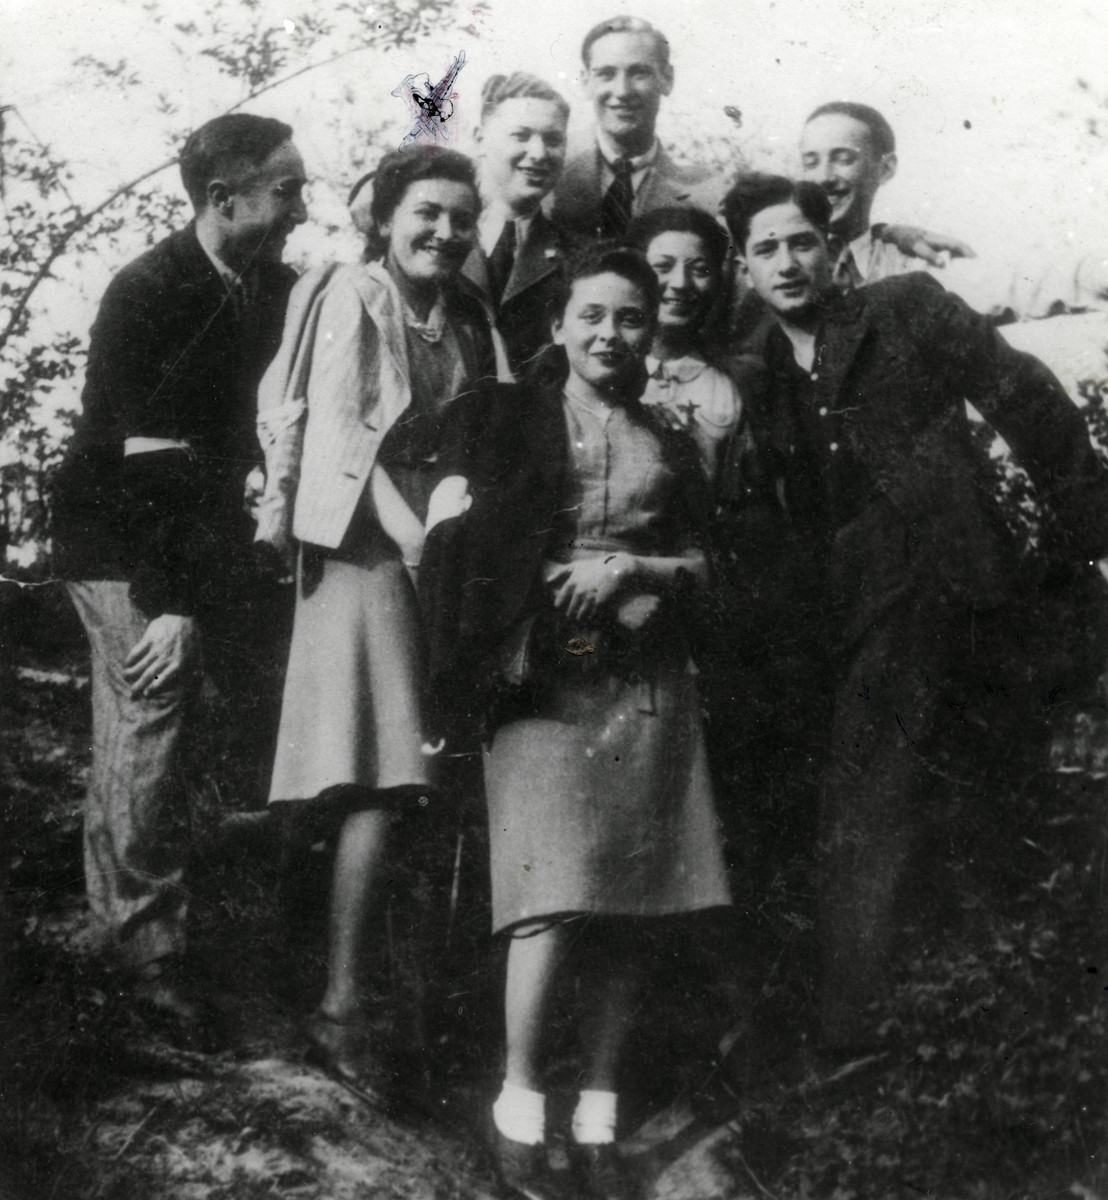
x: 615, y: 208
x: 844, y: 274
x: 501, y: 259
x: 243, y: 294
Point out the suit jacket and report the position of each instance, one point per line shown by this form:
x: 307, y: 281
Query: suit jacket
x: 530, y: 299
x: 338, y: 385
x: 579, y: 193
x: 897, y: 362
x: 170, y: 357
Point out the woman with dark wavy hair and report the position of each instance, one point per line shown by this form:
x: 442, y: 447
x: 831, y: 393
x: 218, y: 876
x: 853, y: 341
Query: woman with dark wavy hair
x: 687, y: 250
x: 582, y: 540
x: 350, y: 416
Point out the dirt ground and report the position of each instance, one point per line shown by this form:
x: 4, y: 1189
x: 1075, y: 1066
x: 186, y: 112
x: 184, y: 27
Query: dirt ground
x: 729, y: 1101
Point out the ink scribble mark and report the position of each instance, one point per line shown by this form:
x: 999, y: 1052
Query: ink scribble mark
x: 432, y: 105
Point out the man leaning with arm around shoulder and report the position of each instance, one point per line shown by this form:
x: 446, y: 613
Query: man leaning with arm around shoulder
x: 152, y: 532
x: 863, y: 441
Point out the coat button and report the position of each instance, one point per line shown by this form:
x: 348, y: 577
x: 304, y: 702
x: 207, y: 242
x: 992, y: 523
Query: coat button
x: 823, y: 411
x: 833, y: 447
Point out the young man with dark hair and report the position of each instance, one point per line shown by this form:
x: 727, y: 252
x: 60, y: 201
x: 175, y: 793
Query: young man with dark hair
x: 627, y: 74
x: 899, y: 567
x: 152, y: 532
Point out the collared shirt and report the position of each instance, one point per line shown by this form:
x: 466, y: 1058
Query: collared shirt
x: 491, y: 222
x: 242, y: 286
x: 825, y: 484
x: 609, y: 152
x: 867, y: 259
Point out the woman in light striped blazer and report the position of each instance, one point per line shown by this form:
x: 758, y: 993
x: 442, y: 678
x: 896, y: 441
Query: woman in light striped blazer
x: 349, y: 415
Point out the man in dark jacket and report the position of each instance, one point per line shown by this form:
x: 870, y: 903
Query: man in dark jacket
x: 151, y: 527
x: 896, y: 551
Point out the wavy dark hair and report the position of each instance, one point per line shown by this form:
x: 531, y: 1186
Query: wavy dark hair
x: 645, y: 228
x: 754, y: 192
x: 395, y: 173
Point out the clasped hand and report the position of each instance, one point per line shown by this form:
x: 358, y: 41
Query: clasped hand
x: 169, y: 647
x: 584, y: 586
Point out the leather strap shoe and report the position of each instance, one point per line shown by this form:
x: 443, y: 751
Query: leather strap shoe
x: 601, y: 1172
x: 523, y: 1171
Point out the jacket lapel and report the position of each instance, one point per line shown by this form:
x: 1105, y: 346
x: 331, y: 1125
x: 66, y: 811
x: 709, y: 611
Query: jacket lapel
x: 382, y: 302
x: 536, y: 259
x: 577, y: 196
x: 661, y: 186
x: 476, y: 270
x: 846, y: 326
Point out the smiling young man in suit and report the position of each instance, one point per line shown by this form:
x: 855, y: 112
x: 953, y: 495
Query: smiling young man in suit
x: 627, y: 74
x: 900, y: 567
x: 520, y: 252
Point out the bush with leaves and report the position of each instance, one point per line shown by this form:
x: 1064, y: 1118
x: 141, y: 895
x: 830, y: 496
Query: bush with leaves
x: 46, y: 231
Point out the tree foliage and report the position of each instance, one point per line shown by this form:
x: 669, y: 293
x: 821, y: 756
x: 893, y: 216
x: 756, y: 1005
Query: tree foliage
x: 46, y: 233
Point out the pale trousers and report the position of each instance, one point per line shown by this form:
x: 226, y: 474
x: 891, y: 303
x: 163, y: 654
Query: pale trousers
x: 136, y: 832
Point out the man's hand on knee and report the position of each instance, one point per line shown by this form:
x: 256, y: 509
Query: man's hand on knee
x: 170, y: 646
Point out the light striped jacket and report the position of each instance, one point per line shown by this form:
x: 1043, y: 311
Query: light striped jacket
x: 337, y: 386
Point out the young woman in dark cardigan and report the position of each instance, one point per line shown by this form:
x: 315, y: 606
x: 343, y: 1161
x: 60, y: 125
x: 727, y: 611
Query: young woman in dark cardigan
x: 564, y: 547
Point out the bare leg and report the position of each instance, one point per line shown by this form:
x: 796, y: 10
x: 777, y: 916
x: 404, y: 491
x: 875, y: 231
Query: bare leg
x: 533, y: 964
x: 363, y: 841
x: 605, y: 1028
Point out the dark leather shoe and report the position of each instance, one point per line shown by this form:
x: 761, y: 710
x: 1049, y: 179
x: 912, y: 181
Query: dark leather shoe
x: 341, y: 1050
x: 601, y: 1172
x: 523, y: 1172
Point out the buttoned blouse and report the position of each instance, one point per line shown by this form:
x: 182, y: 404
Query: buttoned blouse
x: 617, y: 485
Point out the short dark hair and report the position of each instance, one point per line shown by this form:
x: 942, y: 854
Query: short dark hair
x: 395, y: 173
x: 609, y: 258
x: 751, y: 193
x: 550, y: 368
x: 880, y: 131
x: 674, y: 219
x: 518, y: 86
x: 626, y: 25
x: 223, y: 145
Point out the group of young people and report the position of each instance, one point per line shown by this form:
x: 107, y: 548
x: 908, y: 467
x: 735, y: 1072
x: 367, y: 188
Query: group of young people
x: 548, y: 470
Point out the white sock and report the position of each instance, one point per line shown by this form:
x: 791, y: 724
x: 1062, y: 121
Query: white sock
x: 520, y: 1114
x: 594, y: 1121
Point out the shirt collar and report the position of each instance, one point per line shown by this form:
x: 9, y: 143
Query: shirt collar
x: 675, y: 370
x: 609, y: 151
x: 575, y: 394
x: 491, y: 222
x: 227, y: 274
x: 430, y: 330
x: 862, y: 246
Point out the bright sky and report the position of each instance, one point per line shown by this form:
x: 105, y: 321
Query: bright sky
x: 975, y: 90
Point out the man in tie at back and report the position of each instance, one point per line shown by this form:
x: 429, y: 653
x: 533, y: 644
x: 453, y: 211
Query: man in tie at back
x: 627, y: 72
